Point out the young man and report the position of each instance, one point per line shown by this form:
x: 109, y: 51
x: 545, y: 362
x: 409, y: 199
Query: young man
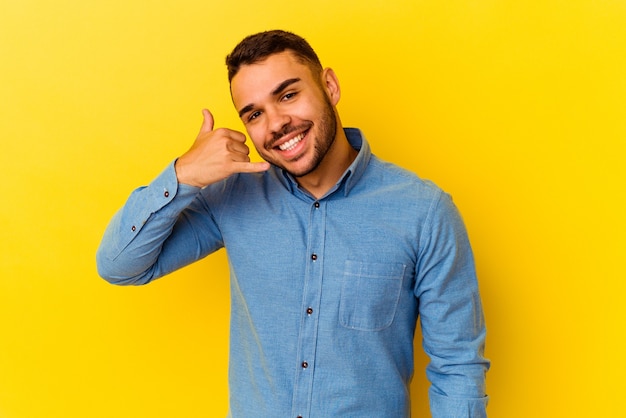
x: 333, y: 253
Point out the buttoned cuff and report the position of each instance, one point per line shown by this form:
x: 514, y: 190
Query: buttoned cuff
x: 164, y: 195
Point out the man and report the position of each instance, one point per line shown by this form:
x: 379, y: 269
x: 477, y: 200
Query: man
x: 333, y: 253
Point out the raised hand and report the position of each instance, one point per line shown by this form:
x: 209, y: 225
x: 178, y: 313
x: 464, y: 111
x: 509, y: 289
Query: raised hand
x: 215, y: 155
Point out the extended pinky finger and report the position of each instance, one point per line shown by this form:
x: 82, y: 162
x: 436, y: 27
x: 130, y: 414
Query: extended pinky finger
x: 248, y: 167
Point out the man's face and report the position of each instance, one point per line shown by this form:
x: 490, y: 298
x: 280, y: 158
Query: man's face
x: 286, y: 111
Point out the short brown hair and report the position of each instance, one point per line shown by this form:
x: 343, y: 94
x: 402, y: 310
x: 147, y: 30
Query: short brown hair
x: 257, y: 47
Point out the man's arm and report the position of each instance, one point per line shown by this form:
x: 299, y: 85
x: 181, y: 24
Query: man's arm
x: 149, y: 237
x: 452, y: 321
x: 158, y: 229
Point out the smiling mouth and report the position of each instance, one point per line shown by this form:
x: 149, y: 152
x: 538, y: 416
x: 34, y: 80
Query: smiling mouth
x: 291, y: 144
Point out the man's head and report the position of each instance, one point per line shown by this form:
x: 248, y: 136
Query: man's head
x: 286, y: 101
x: 258, y: 47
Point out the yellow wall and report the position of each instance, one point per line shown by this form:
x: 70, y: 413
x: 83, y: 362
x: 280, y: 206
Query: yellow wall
x: 518, y: 108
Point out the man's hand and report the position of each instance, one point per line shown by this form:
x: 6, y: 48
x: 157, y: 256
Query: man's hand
x: 215, y: 155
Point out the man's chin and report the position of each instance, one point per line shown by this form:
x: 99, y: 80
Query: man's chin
x: 296, y: 167
x: 302, y: 171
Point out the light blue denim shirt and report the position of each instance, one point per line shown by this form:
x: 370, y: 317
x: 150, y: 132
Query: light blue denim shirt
x: 325, y: 293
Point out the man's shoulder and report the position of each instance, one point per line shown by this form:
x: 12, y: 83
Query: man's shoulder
x: 404, y: 181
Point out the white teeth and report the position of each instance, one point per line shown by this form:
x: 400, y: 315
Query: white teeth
x: 291, y: 143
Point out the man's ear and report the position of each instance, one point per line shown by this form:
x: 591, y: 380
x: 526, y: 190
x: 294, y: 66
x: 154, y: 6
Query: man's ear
x: 330, y: 82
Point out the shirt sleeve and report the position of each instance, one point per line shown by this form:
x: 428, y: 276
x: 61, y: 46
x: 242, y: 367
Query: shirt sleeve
x: 161, y: 228
x: 451, y: 315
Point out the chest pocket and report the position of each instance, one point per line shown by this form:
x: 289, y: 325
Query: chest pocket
x: 370, y: 294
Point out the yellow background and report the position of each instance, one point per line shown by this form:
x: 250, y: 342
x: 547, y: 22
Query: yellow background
x: 517, y: 108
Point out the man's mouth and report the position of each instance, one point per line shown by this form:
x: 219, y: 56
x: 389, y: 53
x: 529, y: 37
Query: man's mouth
x: 291, y: 144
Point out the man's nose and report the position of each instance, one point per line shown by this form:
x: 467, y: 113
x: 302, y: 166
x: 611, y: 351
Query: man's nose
x: 276, y: 120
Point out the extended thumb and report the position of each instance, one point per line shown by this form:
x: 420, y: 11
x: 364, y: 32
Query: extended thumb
x: 207, y: 123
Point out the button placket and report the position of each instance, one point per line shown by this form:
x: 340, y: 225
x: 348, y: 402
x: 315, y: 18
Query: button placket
x: 307, y: 341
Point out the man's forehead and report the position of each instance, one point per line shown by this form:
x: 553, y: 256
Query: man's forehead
x: 262, y: 77
x: 274, y: 63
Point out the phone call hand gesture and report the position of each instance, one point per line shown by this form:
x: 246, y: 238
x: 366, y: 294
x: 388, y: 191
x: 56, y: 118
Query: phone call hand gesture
x: 215, y: 155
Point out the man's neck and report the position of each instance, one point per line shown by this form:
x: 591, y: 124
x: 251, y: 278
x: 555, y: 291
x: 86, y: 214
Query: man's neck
x: 335, y: 163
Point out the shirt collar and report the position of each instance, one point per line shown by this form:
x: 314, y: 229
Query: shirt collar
x: 352, y: 174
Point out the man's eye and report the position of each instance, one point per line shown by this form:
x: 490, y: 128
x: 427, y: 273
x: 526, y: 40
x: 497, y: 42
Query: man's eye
x: 254, y: 115
x: 289, y: 95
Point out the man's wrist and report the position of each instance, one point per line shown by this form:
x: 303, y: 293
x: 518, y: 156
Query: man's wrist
x: 181, y: 175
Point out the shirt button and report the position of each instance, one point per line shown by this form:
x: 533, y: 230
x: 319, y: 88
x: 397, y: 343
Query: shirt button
x: 299, y: 416
x: 133, y: 228
x: 309, y: 311
x: 313, y: 256
x: 166, y: 193
x: 305, y: 364
x: 317, y: 204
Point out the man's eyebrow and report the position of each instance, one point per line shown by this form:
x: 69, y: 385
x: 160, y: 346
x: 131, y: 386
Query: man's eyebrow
x: 245, y: 109
x: 282, y: 86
